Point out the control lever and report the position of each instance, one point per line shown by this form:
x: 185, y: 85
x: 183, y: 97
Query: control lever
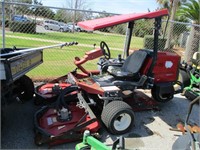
x: 120, y: 57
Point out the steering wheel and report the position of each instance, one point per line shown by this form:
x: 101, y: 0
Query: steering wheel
x: 105, y: 50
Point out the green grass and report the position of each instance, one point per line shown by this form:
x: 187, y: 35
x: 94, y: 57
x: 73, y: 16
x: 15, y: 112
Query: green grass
x: 58, y: 61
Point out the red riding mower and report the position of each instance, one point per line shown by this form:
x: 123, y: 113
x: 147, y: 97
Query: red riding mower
x: 111, y: 92
x: 113, y: 89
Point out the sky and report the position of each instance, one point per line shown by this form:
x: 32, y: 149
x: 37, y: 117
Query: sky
x: 112, y: 6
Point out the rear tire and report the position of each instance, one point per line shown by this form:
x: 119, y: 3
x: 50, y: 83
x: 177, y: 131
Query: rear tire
x: 160, y: 96
x: 118, y: 117
x: 184, y: 78
x: 46, y: 27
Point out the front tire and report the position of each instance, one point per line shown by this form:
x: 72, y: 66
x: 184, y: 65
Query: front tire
x: 61, y: 30
x: 118, y: 117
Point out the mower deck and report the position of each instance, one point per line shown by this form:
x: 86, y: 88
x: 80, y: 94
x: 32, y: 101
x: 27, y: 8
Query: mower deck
x: 51, y: 128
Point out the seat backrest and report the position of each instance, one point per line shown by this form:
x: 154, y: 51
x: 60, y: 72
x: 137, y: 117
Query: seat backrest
x: 134, y: 62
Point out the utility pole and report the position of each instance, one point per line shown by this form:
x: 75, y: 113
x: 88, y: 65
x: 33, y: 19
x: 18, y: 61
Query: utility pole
x: 74, y: 21
x: 3, y: 23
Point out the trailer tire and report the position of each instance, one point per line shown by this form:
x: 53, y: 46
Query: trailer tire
x: 184, y: 78
x: 118, y: 117
x: 25, y: 88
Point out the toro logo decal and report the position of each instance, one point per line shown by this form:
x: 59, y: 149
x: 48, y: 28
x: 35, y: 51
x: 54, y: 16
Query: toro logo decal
x: 168, y: 64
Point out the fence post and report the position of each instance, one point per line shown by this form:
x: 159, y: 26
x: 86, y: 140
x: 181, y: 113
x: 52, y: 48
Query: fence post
x: 3, y: 24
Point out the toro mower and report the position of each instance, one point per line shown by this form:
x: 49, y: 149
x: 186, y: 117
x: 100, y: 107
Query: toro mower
x: 111, y: 93
x: 114, y: 89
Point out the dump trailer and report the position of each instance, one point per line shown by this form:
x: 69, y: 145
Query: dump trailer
x: 14, y: 64
x: 15, y: 85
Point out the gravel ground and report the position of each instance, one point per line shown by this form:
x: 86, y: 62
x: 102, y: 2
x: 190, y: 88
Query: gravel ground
x: 151, y: 129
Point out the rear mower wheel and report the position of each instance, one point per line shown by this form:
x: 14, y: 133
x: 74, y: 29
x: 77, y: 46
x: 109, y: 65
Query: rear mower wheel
x: 184, y: 78
x: 118, y: 117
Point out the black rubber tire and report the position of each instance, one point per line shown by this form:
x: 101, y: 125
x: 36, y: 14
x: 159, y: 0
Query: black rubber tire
x: 46, y: 27
x: 61, y: 30
x: 184, y: 78
x: 78, y: 30
x: 38, y: 139
x: 112, y: 111
x: 156, y: 96
x: 25, y: 88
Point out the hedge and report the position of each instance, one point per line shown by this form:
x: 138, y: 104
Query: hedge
x: 24, y: 27
x: 149, y: 42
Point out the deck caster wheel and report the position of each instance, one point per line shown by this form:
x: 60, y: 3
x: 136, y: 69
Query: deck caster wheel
x: 38, y: 139
x: 118, y: 117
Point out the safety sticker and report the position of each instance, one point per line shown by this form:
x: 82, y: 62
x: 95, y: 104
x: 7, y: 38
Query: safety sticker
x: 49, y: 121
x: 168, y: 64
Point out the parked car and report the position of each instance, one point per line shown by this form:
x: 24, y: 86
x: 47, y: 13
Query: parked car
x: 76, y: 28
x: 64, y: 27
x: 51, y: 25
x: 56, y: 26
x: 20, y: 18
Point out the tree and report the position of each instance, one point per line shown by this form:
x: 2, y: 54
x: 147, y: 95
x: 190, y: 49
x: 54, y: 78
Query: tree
x: 63, y: 15
x: 143, y: 27
x: 172, y: 6
x: 22, y: 9
x: 77, y: 4
x: 168, y: 3
x: 45, y: 12
x: 191, y: 10
x: 164, y: 3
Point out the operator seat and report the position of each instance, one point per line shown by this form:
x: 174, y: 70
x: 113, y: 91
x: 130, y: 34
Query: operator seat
x: 131, y: 67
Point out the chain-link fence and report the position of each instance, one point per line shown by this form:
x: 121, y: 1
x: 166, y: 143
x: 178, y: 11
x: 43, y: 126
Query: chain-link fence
x: 36, y: 25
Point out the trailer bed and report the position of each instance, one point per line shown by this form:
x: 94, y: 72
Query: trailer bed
x: 14, y: 66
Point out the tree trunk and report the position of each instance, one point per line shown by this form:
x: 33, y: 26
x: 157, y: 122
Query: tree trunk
x: 171, y: 25
x: 192, y: 43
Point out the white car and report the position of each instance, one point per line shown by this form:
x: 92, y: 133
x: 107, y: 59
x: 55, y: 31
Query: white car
x: 64, y: 27
x: 76, y: 28
x: 55, y: 26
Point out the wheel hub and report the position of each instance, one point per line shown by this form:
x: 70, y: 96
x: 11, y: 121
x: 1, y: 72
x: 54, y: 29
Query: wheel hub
x: 122, y: 122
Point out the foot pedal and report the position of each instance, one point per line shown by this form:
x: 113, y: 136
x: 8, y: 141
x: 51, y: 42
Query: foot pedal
x: 127, y: 92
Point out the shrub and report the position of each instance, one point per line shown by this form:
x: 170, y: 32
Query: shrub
x: 149, y: 42
x: 24, y: 27
x: 7, y: 23
x: 143, y: 27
